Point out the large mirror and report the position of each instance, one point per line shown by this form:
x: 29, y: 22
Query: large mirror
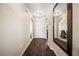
x: 62, y: 26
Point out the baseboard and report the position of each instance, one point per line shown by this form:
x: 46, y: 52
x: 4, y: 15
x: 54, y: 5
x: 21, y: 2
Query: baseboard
x: 23, y: 51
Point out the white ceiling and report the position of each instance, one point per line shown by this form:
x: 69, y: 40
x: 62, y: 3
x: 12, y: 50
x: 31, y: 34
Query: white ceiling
x: 39, y: 7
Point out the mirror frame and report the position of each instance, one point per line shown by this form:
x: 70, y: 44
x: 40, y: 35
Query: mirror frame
x: 69, y: 29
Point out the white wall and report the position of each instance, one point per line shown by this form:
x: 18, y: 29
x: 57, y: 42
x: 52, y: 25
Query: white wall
x: 39, y: 27
x: 76, y: 29
x: 14, y: 29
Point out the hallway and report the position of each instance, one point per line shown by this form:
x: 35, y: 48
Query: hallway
x: 39, y: 29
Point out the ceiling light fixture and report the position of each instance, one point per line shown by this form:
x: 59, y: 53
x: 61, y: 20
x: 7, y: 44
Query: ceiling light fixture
x: 38, y: 13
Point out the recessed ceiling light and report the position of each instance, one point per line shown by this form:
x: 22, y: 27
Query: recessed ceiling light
x: 38, y: 13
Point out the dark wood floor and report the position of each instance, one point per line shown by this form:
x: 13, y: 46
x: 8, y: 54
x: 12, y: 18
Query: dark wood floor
x: 38, y: 47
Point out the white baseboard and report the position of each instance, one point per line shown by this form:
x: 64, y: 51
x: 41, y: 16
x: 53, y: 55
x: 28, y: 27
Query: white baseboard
x: 23, y: 51
x: 26, y: 47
